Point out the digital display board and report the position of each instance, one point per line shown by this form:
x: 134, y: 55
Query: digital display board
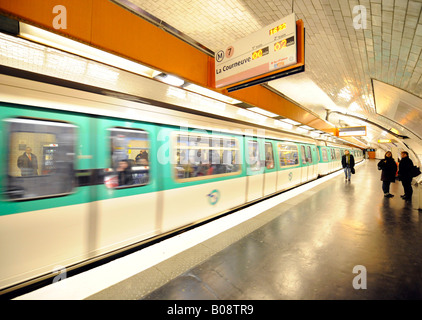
x: 352, y: 131
x: 269, y: 49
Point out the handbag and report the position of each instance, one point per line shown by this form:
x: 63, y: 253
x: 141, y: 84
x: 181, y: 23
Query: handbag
x: 352, y: 170
x: 415, y: 171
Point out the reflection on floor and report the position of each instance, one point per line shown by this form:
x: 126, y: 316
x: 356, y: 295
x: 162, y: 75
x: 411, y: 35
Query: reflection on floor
x: 307, y: 249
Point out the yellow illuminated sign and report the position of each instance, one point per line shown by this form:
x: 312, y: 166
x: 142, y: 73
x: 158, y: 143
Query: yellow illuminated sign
x: 277, y: 29
x: 259, y: 53
x: 280, y: 45
x: 384, y: 141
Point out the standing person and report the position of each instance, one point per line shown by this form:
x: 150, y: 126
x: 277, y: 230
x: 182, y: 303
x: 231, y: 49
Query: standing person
x: 28, y: 163
x: 388, y: 173
x: 142, y: 158
x: 348, y: 162
x: 405, y: 173
x: 124, y: 173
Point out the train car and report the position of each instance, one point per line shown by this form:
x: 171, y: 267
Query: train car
x: 330, y: 156
x: 84, y: 175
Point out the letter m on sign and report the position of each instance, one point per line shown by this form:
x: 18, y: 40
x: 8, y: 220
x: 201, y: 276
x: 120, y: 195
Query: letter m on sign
x: 219, y: 56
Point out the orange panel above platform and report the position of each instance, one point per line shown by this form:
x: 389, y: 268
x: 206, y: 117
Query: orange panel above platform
x: 40, y: 13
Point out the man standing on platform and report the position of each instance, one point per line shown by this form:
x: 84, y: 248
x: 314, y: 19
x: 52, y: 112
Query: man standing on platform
x: 405, y: 174
x: 348, y: 163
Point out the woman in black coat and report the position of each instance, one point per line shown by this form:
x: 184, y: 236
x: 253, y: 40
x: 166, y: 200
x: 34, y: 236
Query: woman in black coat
x: 388, y: 173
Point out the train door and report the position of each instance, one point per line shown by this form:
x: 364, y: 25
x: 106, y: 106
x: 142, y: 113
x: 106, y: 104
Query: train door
x: 270, y: 179
x: 203, y: 176
x: 329, y: 159
x: 315, y: 160
x: 309, y: 162
x: 255, y: 165
x: 338, y: 158
x: 289, y: 165
x: 126, y: 194
x: 333, y: 159
x: 44, y: 211
x: 304, y: 164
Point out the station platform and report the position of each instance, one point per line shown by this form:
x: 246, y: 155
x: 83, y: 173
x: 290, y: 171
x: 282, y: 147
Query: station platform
x: 328, y: 239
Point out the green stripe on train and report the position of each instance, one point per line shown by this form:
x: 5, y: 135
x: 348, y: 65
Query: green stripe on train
x: 93, y: 152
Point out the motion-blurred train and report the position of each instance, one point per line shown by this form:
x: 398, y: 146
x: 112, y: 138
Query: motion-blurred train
x: 83, y: 175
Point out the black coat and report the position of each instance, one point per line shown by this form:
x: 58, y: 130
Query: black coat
x: 125, y: 176
x: 28, y: 167
x: 352, y: 161
x: 405, y: 169
x: 389, y: 169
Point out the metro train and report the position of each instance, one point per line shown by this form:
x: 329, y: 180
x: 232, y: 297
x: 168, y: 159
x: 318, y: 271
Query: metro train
x: 83, y: 175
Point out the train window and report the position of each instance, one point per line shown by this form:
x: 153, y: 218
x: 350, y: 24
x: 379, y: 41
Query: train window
x: 41, y: 158
x: 269, y: 155
x: 338, y: 156
x: 303, y: 154
x: 324, y: 155
x: 254, y: 155
x: 288, y: 154
x: 129, y: 150
x: 201, y: 156
x: 308, y: 154
x: 333, y: 154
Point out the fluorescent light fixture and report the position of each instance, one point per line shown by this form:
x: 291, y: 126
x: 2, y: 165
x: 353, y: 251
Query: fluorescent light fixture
x: 56, y: 41
x: 41, y: 122
x: 169, y: 79
x: 103, y: 73
x: 301, y: 130
x: 176, y: 93
x: 263, y: 112
x: 283, y: 125
x: 65, y: 62
x: 251, y: 115
x: 18, y: 49
x: 210, y: 93
x: 295, y: 123
x: 314, y: 134
x: 307, y: 127
x: 204, y: 102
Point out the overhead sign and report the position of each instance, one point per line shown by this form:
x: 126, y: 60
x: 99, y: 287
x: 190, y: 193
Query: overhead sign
x: 352, y: 131
x: 268, y: 50
x: 384, y: 141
